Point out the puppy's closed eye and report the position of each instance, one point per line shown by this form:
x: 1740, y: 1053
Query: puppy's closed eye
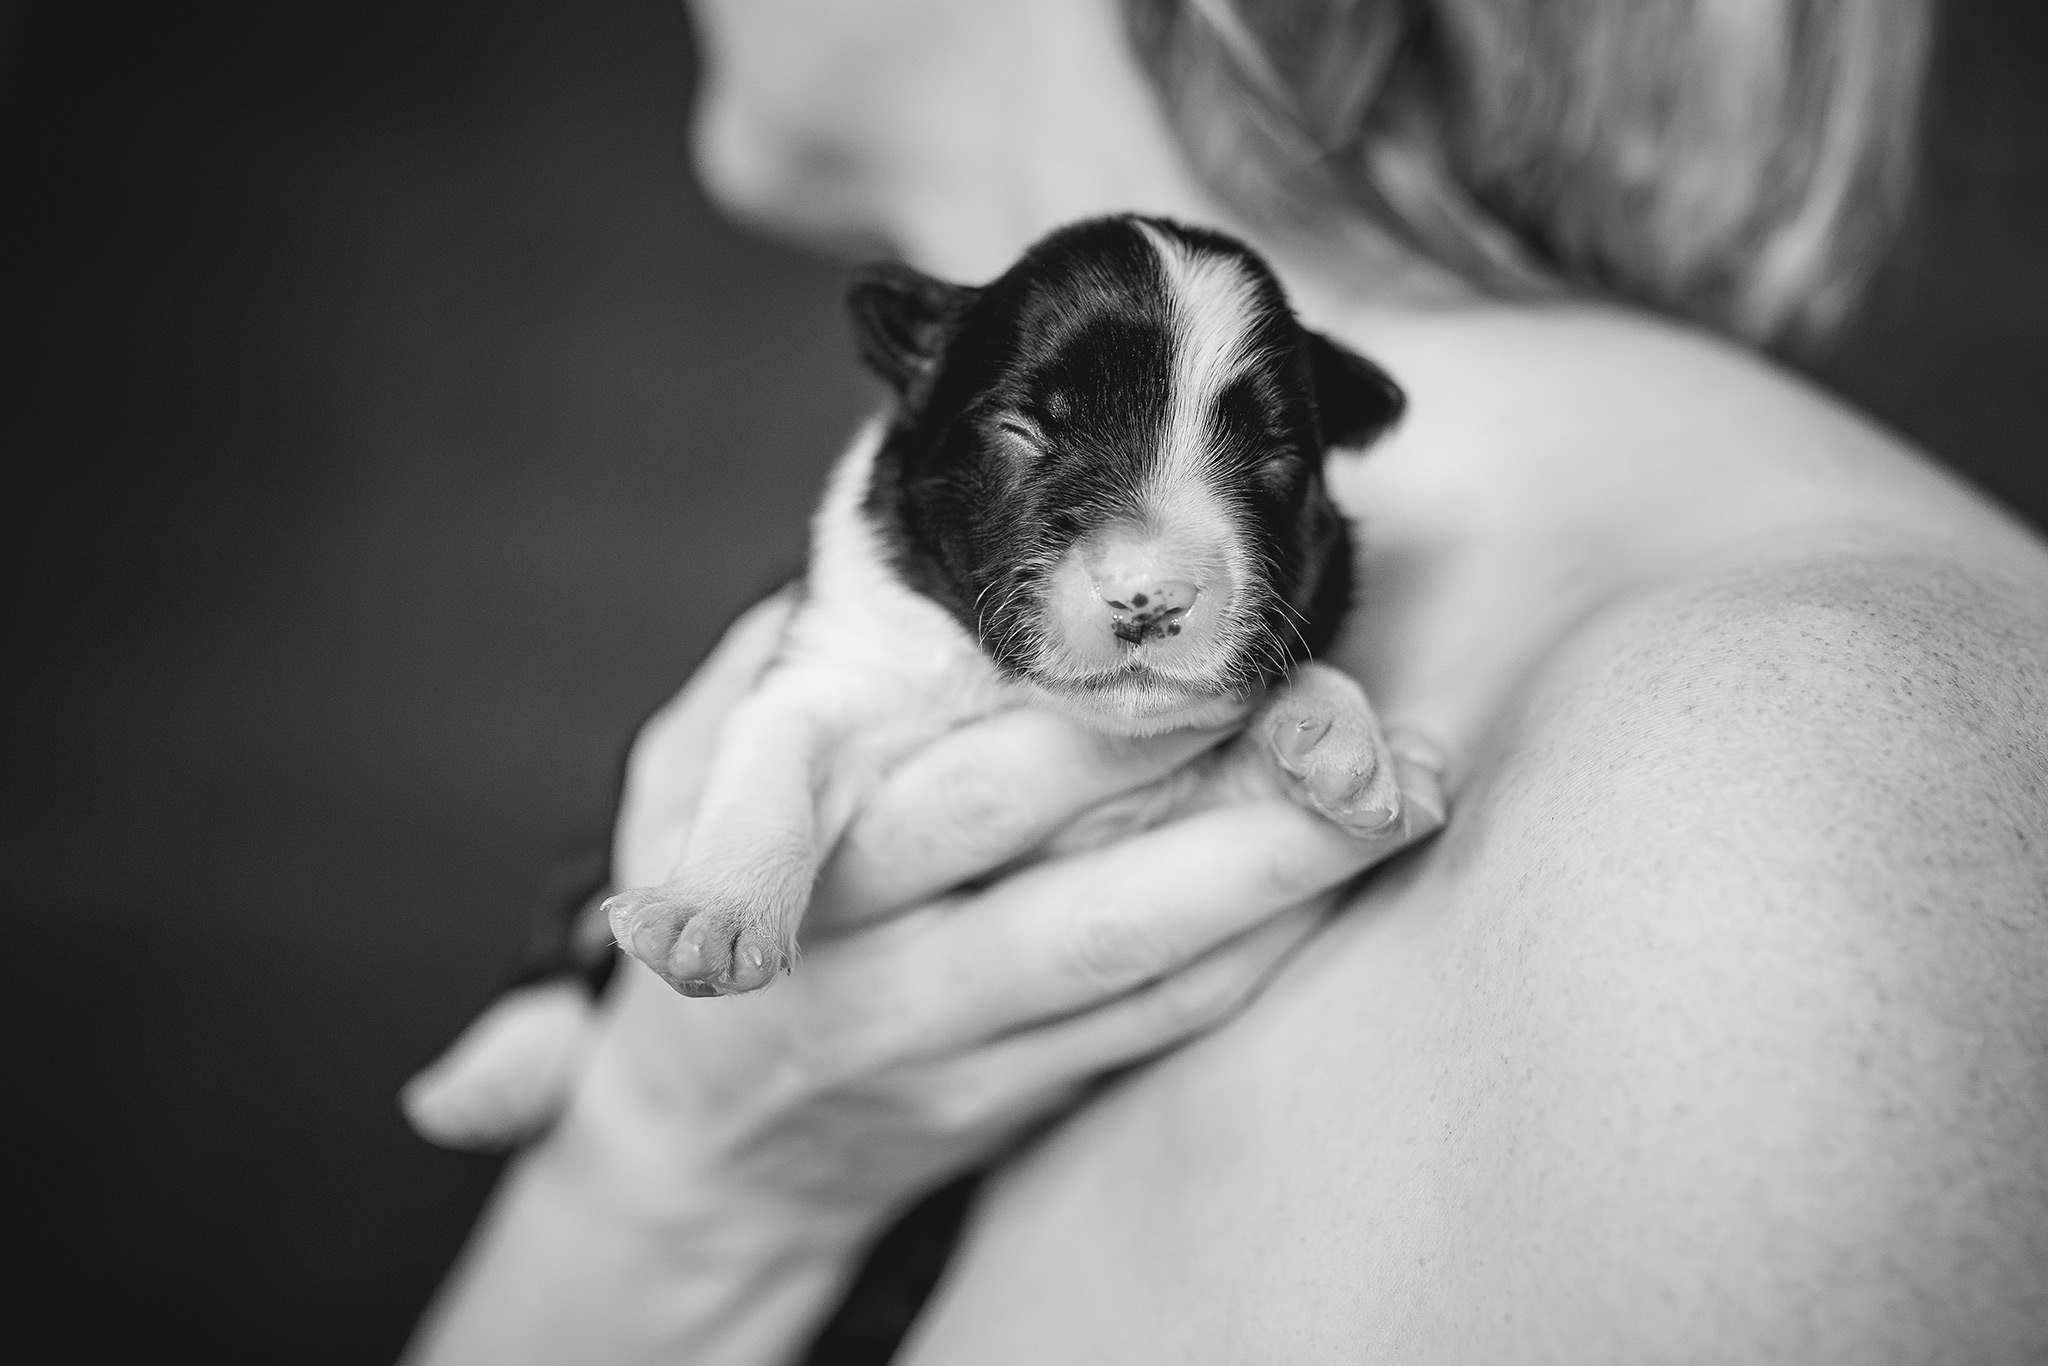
x: 1021, y: 435
x: 1280, y: 470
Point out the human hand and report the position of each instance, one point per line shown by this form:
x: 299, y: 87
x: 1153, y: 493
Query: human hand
x: 925, y: 1026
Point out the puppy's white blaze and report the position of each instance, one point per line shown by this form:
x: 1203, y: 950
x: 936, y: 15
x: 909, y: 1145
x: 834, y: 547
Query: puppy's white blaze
x: 1214, y: 304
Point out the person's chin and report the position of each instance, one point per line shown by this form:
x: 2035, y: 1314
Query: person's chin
x: 764, y: 181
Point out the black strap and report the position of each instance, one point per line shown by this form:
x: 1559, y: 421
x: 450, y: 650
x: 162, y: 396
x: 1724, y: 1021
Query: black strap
x: 567, y: 936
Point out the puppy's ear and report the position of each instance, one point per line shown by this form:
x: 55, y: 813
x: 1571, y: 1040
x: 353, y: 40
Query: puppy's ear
x: 902, y: 320
x: 1355, y: 399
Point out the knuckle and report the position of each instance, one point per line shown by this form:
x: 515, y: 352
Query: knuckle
x: 1285, y: 872
x: 978, y: 811
x: 823, y: 1059
x: 1113, y: 948
x: 953, y: 1106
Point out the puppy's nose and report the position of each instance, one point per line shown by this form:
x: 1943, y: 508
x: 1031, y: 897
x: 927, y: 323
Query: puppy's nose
x: 1144, y: 588
x: 1146, y: 606
x: 1155, y: 592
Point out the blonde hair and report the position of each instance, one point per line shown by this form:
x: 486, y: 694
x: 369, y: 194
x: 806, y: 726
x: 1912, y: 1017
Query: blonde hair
x: 1740, y: 162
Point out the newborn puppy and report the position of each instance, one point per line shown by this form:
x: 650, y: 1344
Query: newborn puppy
x: 1100, y: 490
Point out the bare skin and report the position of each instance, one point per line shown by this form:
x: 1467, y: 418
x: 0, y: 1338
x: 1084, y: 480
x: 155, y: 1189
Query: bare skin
x: 1711, y: 1029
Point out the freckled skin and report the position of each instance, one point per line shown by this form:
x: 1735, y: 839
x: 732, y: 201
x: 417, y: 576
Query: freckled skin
x: 1710, y: 1029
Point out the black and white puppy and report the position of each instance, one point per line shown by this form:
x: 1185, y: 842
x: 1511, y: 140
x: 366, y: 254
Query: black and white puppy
x: 1099, y: 490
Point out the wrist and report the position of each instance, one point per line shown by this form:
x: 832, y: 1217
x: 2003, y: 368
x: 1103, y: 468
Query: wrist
x: 566, y: 1265
x: 656, y: 1152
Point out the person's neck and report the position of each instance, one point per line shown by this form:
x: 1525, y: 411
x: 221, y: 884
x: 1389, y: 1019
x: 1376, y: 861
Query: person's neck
x: 1058, y: 123
x: 1054, y: 124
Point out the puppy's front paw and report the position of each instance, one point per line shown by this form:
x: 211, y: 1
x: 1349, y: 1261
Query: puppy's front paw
x: 1327, y: 742
x: 700, y: 944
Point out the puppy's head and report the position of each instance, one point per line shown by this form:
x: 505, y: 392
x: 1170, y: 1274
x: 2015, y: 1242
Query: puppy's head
x: 1108, y: 464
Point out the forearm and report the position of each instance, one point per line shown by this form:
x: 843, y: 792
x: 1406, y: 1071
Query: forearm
x: 555, y: 1274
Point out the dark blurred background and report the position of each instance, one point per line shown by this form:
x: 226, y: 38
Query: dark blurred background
x: 389, y: 425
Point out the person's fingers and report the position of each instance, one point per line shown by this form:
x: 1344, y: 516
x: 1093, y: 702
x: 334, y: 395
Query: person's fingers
x: 1068, y: 934
x: 977, y: 798
x: 508, y: 1075
x: 1016, y: 1074
x: 1419, y: 771
x: 672, y: 753
x: 1063, y: 936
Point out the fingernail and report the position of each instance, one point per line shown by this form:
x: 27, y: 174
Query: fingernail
x: 1428, y: 815
x: 1373, y: 819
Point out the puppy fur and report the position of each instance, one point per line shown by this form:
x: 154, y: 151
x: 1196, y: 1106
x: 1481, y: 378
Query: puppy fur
x: 1100, y: 490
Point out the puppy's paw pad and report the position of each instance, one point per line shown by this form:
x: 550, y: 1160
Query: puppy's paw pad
x: 723, y: 952
x: 755, y: 957
x: 700, y: 948
x: 646, y: 920
x: 1331, y: 759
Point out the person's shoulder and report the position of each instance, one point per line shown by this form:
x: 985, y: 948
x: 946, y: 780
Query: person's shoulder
x: 1850, y: 727
x: 1833, y: 643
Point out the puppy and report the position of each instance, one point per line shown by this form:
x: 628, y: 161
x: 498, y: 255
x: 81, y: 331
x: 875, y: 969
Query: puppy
x: 1098, y: 489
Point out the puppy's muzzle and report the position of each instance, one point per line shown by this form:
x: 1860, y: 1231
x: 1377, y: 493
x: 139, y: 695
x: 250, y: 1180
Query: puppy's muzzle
x: 1127, y: 595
